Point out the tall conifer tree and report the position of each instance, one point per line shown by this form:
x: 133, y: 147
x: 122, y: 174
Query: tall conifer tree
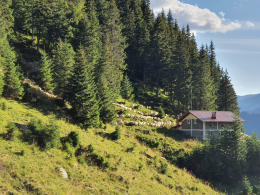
x: 227, y: 100
x: 107, y: 84
x: 63, y: 58
x: 82, y: 93
x: 204, y: 84
x: 45, y: 73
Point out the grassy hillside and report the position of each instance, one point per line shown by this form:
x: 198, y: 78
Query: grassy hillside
x: 125, y: 166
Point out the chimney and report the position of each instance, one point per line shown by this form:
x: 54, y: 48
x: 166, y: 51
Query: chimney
x: 214, y: 115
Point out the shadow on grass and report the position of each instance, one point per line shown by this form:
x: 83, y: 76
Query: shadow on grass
x: 48, y: 106
x: 174, y: 134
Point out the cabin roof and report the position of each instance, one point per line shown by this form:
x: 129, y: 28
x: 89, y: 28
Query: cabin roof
x: 206, y: 116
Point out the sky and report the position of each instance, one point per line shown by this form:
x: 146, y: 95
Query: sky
x: 234, y: 28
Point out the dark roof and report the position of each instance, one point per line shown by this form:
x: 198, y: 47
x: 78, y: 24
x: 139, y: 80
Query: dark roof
x: 206, y: 116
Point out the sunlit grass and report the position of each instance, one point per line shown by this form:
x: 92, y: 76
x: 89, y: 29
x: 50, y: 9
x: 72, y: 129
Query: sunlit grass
x: 36, y: 171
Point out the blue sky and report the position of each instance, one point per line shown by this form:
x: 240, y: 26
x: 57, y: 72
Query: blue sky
x: 233, y: 26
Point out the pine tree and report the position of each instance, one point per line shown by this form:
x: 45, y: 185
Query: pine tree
x: 127, y: 89
x: 227, y: 99
x: 107, y: 84
x: 89, y: 35
x: 205, y: 91
x: 9, y: 72
x: 13, y: 86
x: 253, y: 154
x: 234, y: 150
x: 82, y: 93
x: 105, y: 96
x: 45, y: 73
x: 109, y: 18
x: 63, y: 58
x: 160, y: 51
x: 183, y: 73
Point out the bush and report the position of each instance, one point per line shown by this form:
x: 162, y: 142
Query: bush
x: 23, y: 153
x: 4, y: 107
x: 46, y: 136
x: 164, y: 168
x: 247, y: 188
x: 12, y: 131
x: 117, y: 133
x: 82, y: 159
x: 73, y: 138
x: 68, y: 148
x: 90, y: 148
x: 161, y: 112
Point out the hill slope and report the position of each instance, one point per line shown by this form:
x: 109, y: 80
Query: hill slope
x: 131, y: 166
x: 249, y: 103
x: 250, y: 111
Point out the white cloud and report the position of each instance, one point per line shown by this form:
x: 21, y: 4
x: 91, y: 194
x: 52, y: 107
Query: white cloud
x: 222, y: 14
x: 200, y: 20
x: 250, y: 24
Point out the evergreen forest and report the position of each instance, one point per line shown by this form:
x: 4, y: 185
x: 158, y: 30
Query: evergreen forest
x: 87, y: 55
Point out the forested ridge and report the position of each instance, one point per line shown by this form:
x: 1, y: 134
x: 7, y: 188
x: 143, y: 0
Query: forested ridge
x: 111, y: 38
x: 89, y: 53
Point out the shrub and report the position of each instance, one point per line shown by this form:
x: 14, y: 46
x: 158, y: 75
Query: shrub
x: 90, y: 148
x: 23, y: 153
x: 117, y: 133
x: 4, y: 106
x: 46, y: 136
x: 12, y: 131
x: 68, y: 148
x: 164, y: 168
x: 73, y: 138
x: 82, y: 159
x: 247, y: 188
x: 161, y: 112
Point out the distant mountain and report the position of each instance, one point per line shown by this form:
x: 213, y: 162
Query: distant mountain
x: 249, y: 103
x: 250, y: 111
x: 252, y: 122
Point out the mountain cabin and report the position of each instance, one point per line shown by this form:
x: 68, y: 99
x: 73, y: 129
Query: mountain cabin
x: 202, y: 124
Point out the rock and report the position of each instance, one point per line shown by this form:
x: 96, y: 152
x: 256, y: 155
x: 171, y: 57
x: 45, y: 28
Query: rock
x: 23, y: 128
x: 63, y: 173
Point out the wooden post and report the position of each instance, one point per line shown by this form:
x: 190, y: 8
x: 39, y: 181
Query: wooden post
x: 204, y: 131
x: 191, y: 127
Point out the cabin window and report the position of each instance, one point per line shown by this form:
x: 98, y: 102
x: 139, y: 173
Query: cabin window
x: 210, y: 125
x: 210, y: 133
x: 188, y: 121
x: 221, y: 133
x: 195, y: 121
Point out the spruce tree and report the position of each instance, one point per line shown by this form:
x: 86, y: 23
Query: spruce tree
x: 253, y: 154
x: 107, y: 83
x: 82, y: 92
x: 89, y: 36
x: 109, y: 18
x: 13, y: 87
x: 45, y: 72
x: 127, y: 89
x: 63, y: 59
x: 106, y: 98
x: 160, y: 55
x: 183, y: 73
x: 205, y: 91
x: 227, y: 99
